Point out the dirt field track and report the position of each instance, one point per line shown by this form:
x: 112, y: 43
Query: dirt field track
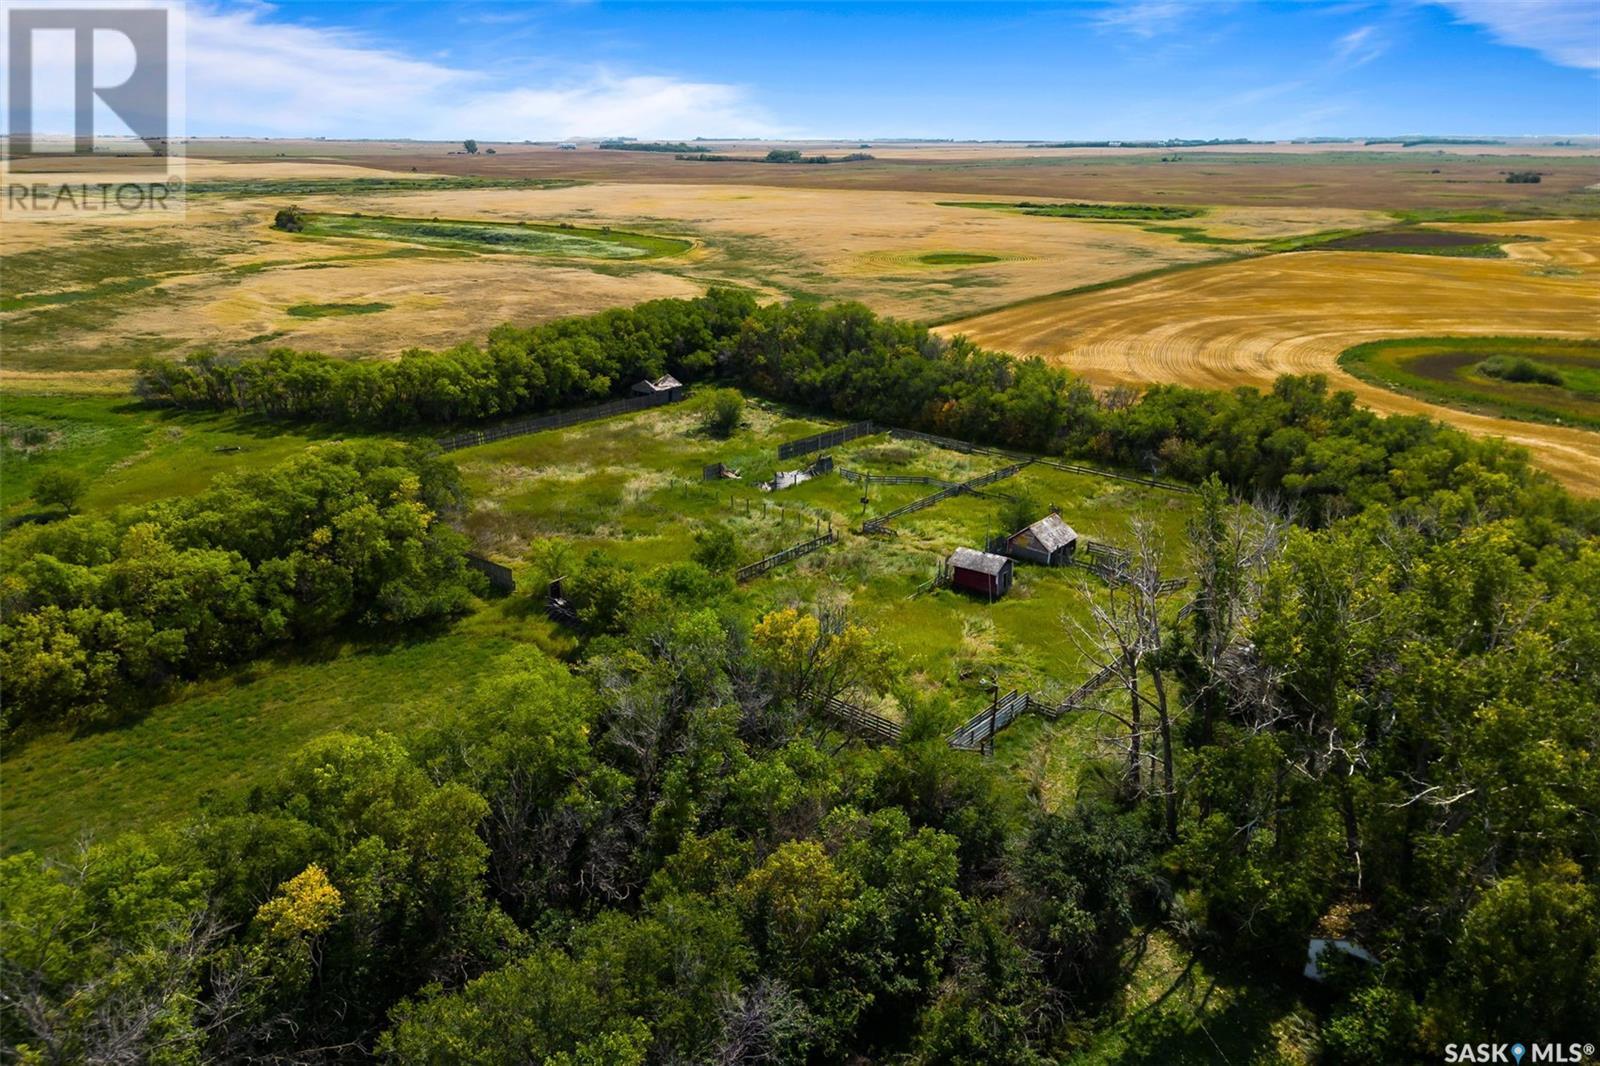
x: 1244, y: 323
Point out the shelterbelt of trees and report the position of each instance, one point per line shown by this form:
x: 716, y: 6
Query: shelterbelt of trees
x: 1380, y: 722
x: 1331, y: 455
x: 99, y: 610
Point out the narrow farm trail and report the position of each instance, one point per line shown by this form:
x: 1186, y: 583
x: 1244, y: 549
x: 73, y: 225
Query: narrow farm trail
x: 1246, y: 322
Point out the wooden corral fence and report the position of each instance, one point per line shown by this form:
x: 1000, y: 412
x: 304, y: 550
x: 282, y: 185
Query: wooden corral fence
x: 1072, y: 468
x: 1077, y: 696
x: 880, y: 523
x: 830, y: 439
x: 756, y: 569
x: 977, y: 732
x: 856, y: 477
x: 861, y: 721
x: 500, y: 577
x: 556, y: 420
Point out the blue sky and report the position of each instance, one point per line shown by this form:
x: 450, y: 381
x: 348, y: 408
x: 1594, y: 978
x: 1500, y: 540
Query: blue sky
x: 1132, y: 69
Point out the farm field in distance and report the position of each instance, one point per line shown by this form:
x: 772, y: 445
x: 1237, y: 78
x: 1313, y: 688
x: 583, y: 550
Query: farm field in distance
x: 1245, y: 322
x: 1532, y: 378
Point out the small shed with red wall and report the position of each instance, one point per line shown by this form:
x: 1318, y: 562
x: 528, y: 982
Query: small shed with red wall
x: 980, y: 572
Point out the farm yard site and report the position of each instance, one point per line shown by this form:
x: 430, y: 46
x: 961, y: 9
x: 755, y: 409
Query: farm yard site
x: 630, y: 489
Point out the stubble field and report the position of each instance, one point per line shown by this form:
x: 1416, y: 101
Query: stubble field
x: 1246, y: 322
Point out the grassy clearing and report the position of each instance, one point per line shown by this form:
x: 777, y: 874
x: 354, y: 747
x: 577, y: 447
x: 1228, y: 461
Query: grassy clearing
x: 524, y: 238
x: 128, y: 453
x: 629, y: 487
x: 1537, y: 379
x: 329, y: 310
x: 227, y: 734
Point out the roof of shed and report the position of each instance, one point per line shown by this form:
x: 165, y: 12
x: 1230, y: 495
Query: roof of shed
x: 983, y: 562
x: 1051, y: 532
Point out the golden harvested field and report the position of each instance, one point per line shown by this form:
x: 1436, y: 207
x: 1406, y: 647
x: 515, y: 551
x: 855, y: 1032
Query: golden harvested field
x: 1246, y: 322
x: 222, y: 277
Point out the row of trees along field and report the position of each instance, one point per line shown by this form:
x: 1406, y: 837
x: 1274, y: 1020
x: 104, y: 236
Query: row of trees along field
x: 1322, y: 450
x: 101, y: 610
x: 1379, y: 719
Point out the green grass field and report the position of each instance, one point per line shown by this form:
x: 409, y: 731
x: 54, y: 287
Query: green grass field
x: 1462, y: 372
x: 528, y: 238
x: 129, y: 453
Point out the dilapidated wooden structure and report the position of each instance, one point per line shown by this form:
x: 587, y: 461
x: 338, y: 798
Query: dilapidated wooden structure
x: 1048, y: 542
x: 980, y: 572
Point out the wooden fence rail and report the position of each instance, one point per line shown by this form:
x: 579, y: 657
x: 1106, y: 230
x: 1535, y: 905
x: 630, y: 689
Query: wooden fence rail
x: 978, y: 730
x: 856, y: 477
x: 500, y: 577
x: 829, y: 439
x: 880, y: 523
x: 862, y: 721
x: 1072, y: 468
x: 1077, y: 696
x: 756, y: 569
x: 556, y: 420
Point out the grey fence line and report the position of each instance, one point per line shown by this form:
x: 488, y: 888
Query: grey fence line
x: 859, y: 478
x: 1077, y: 696
x: 978, y: 730
x: 860, y: 720
x: 969, y: 448
x: 555, y: 420
x: 880, y: 523
x: 756, y: 569
x: 500, y: 577
x: 826, y: 439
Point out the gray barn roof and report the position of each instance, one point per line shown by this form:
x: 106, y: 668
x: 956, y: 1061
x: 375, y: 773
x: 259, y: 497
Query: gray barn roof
x: 983, y: 562
x: 661, y: 384
x: 1051, y: 532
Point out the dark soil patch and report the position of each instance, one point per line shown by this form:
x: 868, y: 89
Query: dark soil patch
x: 1404, y: 239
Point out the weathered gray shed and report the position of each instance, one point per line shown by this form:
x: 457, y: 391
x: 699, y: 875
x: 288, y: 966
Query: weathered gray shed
x: 1049, y: 542
x: 671, y: 386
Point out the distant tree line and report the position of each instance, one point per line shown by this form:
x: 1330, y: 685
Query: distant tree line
x: 101, y: 611
x: 654, y: 146
x: 780, y: 155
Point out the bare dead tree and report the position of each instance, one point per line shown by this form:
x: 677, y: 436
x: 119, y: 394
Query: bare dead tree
x: 1124, y: 636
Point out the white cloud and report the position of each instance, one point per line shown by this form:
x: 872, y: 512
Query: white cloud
x: 1143, y: 18
x: 248, y: 73
x: 1360, y: 46
x: 1566, y: 32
